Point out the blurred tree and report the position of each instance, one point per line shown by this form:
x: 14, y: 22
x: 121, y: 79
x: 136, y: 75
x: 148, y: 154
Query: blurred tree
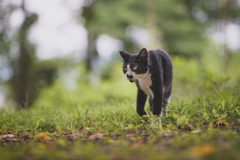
x: 218, y: 14
x: 182, y: 34
x: 169, y: 23
x: 21, y: 78
x: 6, y: 10
x: 112, y: 18
x: 29, y: 75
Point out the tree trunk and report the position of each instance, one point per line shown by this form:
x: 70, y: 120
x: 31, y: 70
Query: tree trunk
x: 225, y: 56
x: 91, y: 50
x: 22, y: 75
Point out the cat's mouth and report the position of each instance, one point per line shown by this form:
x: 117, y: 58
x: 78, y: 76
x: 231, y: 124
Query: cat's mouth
x: 131, y: 80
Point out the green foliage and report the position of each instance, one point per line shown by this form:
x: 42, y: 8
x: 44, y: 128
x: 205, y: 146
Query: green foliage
x: 181, y: 34
x: 113, y: 20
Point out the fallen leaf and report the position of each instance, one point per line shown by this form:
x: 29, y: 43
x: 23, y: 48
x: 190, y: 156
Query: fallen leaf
x: 196, y: 131
x: 95, y: 136
x: 11, y: 139
x: 203, y: 150
x: 7, y: 136
x: 170, y: 127
x: 42, y: 137
x: 130, y: 135
x: 222, y: 122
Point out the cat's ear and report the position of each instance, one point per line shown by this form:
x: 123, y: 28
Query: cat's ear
x: 143, y: 56
x: 124, y: 55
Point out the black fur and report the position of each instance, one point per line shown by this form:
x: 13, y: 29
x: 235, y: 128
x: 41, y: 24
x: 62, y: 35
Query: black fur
x: 159, y: 65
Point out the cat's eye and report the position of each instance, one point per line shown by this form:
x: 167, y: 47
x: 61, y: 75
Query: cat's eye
x: 134, y: 68
x: 125, y: 69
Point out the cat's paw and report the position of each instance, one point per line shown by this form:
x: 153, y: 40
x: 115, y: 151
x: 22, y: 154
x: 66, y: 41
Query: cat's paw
x: 155, y: 121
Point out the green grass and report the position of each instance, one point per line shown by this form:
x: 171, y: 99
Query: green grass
x: 99, y: 121
x: 123, y: 134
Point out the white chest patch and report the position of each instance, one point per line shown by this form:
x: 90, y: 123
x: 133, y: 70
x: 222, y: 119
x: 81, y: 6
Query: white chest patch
x: 145, y: 82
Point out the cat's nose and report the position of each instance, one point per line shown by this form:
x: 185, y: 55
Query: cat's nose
x: 129, y: 76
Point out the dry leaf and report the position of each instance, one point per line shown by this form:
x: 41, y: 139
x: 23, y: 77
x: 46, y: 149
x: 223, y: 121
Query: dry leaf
x: 203, y: 150
x: 170, y: 127
x: 95, y: 136
x: 42, y: 137
x: 9, y: 139
x: 7, y: 136
x: 130, y: 135
x: 196, y: 131
x: 222, y: 122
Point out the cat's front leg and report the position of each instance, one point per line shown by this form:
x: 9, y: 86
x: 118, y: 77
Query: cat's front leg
x: 157, y: 109
x: 141, y: 100
x: 157, y: 102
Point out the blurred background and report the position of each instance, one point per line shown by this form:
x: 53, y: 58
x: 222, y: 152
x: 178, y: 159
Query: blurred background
x: 65, y: 52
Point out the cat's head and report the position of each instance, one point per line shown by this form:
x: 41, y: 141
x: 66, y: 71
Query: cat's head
x: 135, y: 65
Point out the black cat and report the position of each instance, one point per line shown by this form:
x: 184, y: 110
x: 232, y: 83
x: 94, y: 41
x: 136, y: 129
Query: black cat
x: 152, y: 73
